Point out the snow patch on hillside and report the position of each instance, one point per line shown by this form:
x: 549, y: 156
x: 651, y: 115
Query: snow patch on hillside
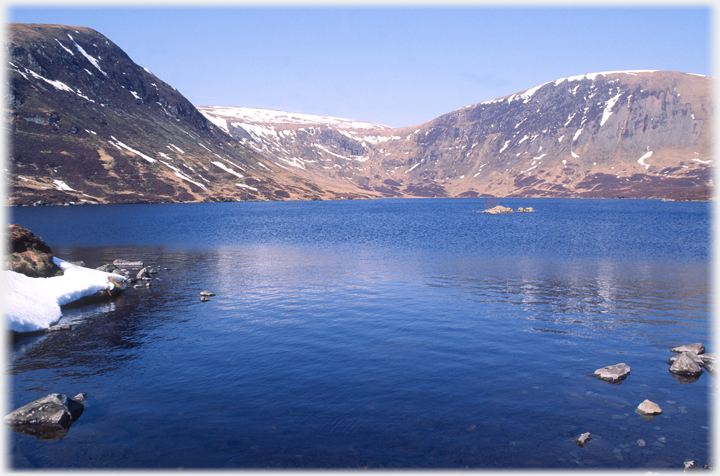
x: 641, y: 160
x: 608, y: 108
x: 119, y: 144
x: 64, y: 47
x: 181, y: 175
x: 221, y: 122
x: 226, y: 168
x: 92, y: 60
x: 253, y: 115
x: 60, y: 185
x: 242, y: 185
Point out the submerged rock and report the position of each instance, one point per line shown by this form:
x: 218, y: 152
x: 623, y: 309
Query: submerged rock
x: 613, y: 373
x: 49, y: 417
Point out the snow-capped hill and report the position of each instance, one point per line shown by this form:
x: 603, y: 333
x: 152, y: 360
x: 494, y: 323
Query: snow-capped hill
x: 624, y: 133
x: 317, y: 147
x: 636, y: 133
x: 89, y: 125
x: 222, y: 116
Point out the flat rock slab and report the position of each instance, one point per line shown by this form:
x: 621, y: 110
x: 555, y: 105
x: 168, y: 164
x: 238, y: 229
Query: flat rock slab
x: 685, y: 364
x: 697, y: 348
x: 648, y: 408
x: 613, y: 373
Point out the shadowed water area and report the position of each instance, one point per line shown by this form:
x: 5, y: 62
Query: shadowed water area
x: 379, y: 334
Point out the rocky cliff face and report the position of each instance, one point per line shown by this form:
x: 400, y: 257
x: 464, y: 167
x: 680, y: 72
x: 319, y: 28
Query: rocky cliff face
x: 88, y: 125
x: 622, y: 134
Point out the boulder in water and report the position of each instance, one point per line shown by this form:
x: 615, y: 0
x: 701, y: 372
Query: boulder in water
x: 498, y: 210
x: 685, y: 365
x: 613, y: 373
x: 49, y: 417
x: 648, y: 408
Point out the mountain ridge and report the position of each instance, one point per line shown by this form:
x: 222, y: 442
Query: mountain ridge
x: 88, y: 125
x: 506, y: 132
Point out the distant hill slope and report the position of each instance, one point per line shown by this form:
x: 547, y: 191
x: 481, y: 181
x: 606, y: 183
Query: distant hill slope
x: 616, y: 134
x: 87, y: 124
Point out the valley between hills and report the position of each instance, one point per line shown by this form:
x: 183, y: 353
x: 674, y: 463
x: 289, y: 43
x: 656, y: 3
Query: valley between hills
x: 87, y: 125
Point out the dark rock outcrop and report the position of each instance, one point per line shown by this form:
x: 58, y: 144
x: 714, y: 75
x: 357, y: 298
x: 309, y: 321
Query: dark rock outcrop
x: 49, y: 417
x: 29, y: 254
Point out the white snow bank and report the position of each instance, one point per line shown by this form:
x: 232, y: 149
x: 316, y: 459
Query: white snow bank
x: 33, y: 304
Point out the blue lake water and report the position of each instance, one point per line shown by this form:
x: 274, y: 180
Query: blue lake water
x: 379, y: 334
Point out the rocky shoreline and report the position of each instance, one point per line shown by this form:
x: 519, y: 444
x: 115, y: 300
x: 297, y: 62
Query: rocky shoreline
x: 686, y: 367
x: 31, y: 257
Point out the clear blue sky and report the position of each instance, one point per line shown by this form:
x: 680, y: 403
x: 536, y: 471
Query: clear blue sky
x: 397, y: 66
